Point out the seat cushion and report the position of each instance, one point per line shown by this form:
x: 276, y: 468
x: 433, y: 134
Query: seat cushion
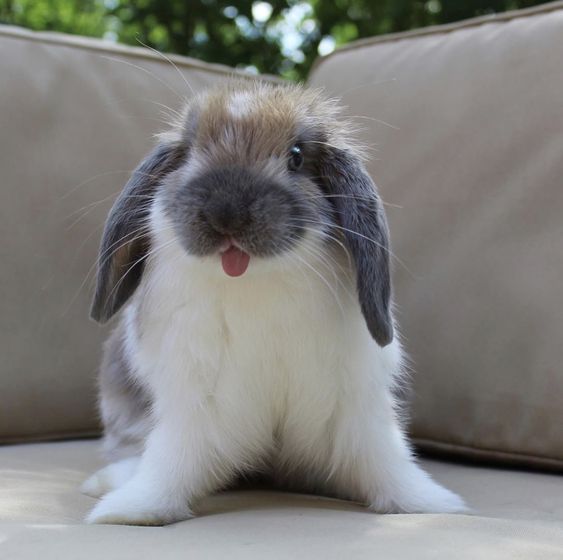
x: 77, y: 116
x: 464, y: 128
x: 516, y: 515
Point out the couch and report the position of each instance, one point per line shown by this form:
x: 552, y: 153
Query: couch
x: 464, y: 125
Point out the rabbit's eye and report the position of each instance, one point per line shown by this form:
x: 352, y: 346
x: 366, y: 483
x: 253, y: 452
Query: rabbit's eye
x: 295, y: 161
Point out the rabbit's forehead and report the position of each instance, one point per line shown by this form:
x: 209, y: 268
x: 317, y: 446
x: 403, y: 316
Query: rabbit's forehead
x: 241, y: 104
x: 244, y: 122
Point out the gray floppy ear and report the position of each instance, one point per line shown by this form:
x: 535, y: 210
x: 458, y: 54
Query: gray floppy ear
x: 125, y: 243
x: 360, y: 214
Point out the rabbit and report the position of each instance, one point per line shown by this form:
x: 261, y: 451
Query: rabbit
x: 248, y: 256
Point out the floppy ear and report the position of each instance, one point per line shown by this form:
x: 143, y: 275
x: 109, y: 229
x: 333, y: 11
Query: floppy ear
x: 360, y: 214
x: 125, y: 243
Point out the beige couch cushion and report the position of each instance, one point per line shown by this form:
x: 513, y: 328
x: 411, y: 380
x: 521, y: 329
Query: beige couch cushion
x: 517, y: 516
x: 77, y: 115
x: 474, y: 161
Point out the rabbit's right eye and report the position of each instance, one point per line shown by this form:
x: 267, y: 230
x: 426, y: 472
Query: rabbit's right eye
x: 295, y: 161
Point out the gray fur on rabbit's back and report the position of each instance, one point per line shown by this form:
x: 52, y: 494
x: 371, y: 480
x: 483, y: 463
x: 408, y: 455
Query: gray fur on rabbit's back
x: 124, y: 403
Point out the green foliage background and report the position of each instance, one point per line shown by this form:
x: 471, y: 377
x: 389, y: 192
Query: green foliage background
x: 280, y: 37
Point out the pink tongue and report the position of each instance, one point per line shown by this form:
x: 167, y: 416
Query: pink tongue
x: 234, y: 261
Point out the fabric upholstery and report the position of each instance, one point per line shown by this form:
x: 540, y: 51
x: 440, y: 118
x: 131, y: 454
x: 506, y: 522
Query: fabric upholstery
x: 77, y: 116
x: 517, y: 516
x: 472, y: 158
x: 465, y: 125
x: 474, y: 165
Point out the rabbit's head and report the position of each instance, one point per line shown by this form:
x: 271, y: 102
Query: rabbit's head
x: 249, y: 173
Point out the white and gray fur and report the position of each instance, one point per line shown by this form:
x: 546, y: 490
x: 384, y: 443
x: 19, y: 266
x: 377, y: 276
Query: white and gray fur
x: 288, y: 370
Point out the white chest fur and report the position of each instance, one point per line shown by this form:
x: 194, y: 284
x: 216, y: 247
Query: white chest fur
x: 284, y: 327
x: 274, y: 355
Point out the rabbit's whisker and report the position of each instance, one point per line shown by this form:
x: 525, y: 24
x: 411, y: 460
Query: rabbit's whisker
x: 351, y: 196
x: 323, y: 279
x: 106, y: 173
x: 151, y: 74
x: 168, y: 59
x: 382, y: 247
x: 92, y: 205
x: 144, y: 257
x: 329, y: 262
x: 325, y: 234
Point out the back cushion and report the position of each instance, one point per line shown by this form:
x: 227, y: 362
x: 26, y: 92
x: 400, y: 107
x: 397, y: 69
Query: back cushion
x: 471, y: 164
x: 76, y: 117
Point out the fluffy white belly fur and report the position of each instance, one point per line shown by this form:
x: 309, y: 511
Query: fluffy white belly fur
x: 274, y: 363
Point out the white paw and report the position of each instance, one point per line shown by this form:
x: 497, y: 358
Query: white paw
x: 124, y: 507
x: 421, y: 495
x: 95, y: 486
x: 109, y: 478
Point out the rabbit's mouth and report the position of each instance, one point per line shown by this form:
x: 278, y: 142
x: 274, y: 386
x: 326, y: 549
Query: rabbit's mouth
x: 233, y: 258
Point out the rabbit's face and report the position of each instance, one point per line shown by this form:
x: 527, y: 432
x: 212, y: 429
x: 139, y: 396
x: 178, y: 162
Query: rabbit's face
x: 252, y: 172
x: 249, y: 185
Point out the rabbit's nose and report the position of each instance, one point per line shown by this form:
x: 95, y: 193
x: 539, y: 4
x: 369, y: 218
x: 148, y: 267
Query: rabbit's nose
x: 227, y: 217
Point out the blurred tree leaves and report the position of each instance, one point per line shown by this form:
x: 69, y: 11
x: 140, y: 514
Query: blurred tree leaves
x: 279, y: 37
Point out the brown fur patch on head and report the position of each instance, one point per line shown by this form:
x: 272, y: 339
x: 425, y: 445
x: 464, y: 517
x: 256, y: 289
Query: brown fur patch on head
x: 247, y: 122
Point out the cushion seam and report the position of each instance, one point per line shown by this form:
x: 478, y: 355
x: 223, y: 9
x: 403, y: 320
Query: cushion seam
x: 49, y: 436
x: 515, y: 455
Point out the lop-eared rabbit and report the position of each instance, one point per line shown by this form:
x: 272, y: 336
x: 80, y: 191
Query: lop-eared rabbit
x: 249, y: 256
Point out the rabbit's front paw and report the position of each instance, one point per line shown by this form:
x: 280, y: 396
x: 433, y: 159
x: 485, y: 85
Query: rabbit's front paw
x: 127, y: 507
x: 419, y: 494
x: 109, y: 478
